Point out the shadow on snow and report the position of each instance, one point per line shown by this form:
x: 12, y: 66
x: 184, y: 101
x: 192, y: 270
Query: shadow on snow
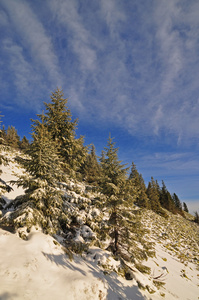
x: 115, y: 289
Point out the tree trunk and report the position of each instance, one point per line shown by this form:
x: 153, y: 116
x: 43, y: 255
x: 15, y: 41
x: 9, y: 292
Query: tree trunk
x: 116, y: 235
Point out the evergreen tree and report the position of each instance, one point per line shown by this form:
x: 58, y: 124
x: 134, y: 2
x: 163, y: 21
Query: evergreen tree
x: 196, y: 219
x: 134, y: 174
x: 158, y: 189
x: 12, y: 138
x: 91, y: 169
x: 185, y: 208
x: 44, y: 162
x: 24, y: 144
x: 62, y: 129
x: 166, y: 200
x: 143, y: 198
x: 3, y: 160
x: 138, y: 181
x: 1, y: 143
x: 153, y: 194
x: 123, y: 226
x: 41, y: 185
x: 113, y: 171
x: 1, y: 156
x: 178, y: 204
x: 2, y: 133
x: 163, y: 196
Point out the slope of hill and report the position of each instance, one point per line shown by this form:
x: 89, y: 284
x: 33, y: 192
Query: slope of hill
x: 43, y: 267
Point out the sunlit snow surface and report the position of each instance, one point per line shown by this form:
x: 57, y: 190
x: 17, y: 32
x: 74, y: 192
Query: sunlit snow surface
x: 39, y: 269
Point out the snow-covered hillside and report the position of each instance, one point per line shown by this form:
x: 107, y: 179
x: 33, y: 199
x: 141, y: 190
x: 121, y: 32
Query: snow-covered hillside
x: 41, y: 267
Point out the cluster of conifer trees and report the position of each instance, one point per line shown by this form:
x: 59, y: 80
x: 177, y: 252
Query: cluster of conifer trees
x: 55, y: 151
x: 11, y: 138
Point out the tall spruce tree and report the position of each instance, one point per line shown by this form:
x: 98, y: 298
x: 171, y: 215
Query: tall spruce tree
x: 123, y: 225
x: 143, y: 199
x: 178, y: 204
x: 134, y: 174
x: 41, y: 184
x: 91, y: 170
x: 2, y: 135
x: 153, y: 193
x: 1, y: 131
x: 63, y: 131
x: 44, y: 163
x: 1, y: 145
x: 185, y: 208
x: 196, y: 218
x: 138, y: 181
x: 3, y: 161
x: 114, y: 172
x: 166, y: 200
x: 24, y: 144
x: 12, y: 137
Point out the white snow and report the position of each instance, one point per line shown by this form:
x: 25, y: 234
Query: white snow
x: 181, y: 280
x: 9, y: 173
x: 39, y: 268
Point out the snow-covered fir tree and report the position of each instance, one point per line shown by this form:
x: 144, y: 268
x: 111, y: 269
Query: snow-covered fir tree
x: 42, y: 203
x: 63, y: 131
x: 69, y: 210
x: 123, y: 224
x: 3, y: 161
x: 1, y: 143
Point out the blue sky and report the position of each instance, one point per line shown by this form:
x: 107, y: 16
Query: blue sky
x: 127, y: 67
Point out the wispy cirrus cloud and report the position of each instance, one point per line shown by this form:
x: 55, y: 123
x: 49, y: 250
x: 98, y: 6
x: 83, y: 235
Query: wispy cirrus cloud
x: 132, y: 65
x: 176, y: 35
x: 187, y: 162
x: 126, y: 66
x: 73, y: 29
x: 170, y: 44
x: 27, y: 49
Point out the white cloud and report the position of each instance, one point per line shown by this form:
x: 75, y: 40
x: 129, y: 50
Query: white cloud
x: 128, y: 64
x: 25, y: 82
x: 176, y: 162
x: 80, y: 38
x: 3, y: 18
x: 22, y: 69
x: 32, y: 37
x: 125, y: 63
x: 170, y: 44
x: 114, y: 17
